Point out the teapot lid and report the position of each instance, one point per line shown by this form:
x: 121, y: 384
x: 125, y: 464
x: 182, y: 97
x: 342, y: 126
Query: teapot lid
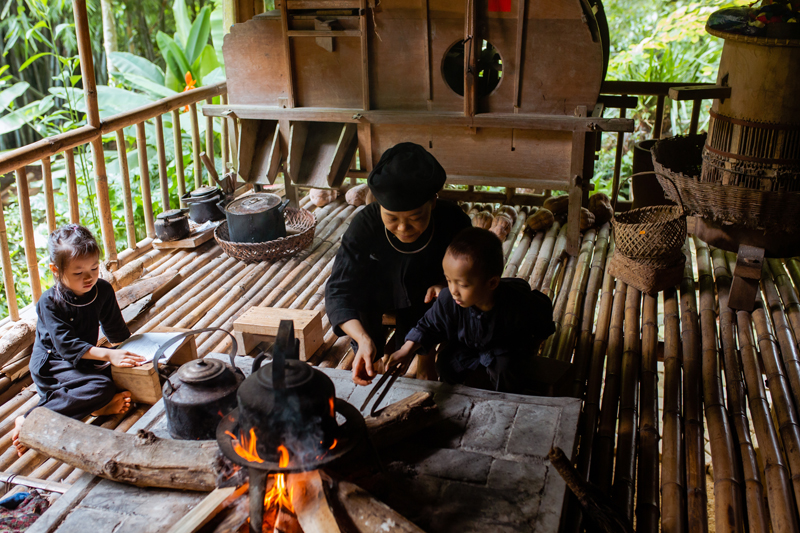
x: 254, y: 203
x: 201, y: 370
x: 297, y: 373
x: 203, y: 191
x: 172, y: 213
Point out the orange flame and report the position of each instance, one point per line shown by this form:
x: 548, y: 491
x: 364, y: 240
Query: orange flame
x: 335, y: 441
x: 278, y: 494
x: 247, y: 448
x: 330, y: 404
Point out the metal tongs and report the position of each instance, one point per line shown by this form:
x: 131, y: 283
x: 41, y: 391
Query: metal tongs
x: 387, y: 379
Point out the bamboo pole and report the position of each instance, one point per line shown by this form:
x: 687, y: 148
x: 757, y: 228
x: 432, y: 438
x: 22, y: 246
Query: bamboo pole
x: 224, y: 146
x: 49, y: 198
x: 728, y: 484
x: 210, y: 136
x: 27, y: 234
x: 793, y: 266
x: 560, y: 305
x: 543, y: 258
x: 788, y: 295
x: 525, y: 268
x: 625, y: 461
x: 591, y: 406
x: 673, y: 494
x: 694, y: 447
x: 735, y: 386
x: 559, y: 251
x: 72, y: 187
x: 144, y: 174
x: 519, y: 252
x: 235, y: 297
x: 198, y: 169
x: 178, y: 141
x: 130, y: 225
x: 583, y: 349
x: 511, y: 239
x: 8, y: 272
x: 602, y: 454
x: 785, y: 410
x: 213, y: 290
x: 647, y: 489
x: 162, y: 164
x: 776, y: 474
x: 569, y: 328
x: 786, y: 339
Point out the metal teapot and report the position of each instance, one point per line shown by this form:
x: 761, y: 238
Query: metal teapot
x: 288, y: 402
x: 200, y: 393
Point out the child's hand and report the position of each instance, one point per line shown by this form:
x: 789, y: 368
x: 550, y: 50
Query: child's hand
x: 433, y: 293
x: 124, y: 358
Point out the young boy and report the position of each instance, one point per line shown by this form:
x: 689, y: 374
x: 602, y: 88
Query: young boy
x: 491, y: 327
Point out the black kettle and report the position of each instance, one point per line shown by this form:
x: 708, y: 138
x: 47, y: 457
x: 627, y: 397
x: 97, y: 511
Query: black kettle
x: 200, y: 393
x: 288, y: 402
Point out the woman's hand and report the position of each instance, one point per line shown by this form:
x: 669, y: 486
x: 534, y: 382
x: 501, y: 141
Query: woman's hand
x: 124, y: 358
x: 363, y: 371
x: 433, y: 293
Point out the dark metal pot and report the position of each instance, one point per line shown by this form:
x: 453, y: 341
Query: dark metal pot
x: 200, y: 393
x: 288, y: 402
x: 257, y: 217
x: 202, y: 204
x: 172, y: 225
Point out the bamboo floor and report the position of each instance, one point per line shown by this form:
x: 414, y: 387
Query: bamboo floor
x: 676, y: 387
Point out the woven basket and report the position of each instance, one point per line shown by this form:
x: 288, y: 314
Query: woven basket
x: 648, y: 279
x: 300, y: 226
x: 651, y: 235
x: 678, y: 160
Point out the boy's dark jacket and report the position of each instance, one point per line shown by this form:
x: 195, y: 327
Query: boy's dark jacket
x: 519, y: 319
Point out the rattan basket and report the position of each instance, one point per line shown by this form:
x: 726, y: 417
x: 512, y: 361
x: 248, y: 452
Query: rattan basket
x: 652, y: 235
x: 647, y: 278
x: 300, y: 226
x: 679, y: 159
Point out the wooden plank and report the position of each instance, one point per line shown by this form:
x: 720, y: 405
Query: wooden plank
x: 64, y: 505
x: 195, y: 239
x: 287, y: 56
x: 141, y: 381
x: 298, y: 132
x: 200, y: 515
x: 258, y: 158
x: 343, y: 154
x: 264, y: 322
x: 323, y: 33
x: 362, y: 33
x: 481, y: 120
x: 643, y: 88
x: 700, y: 92
x: 28, y: 243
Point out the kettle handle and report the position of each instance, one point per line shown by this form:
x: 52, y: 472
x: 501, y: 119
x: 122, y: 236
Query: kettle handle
x: 163, y: 348
x: 283, y: 205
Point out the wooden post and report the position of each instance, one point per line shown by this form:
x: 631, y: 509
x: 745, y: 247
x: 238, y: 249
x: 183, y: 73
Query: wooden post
x: 27, y: 233
x: 144, y: 174
x: 72, y: 187
x: 8, y: 274
x: 426, y: 21
x: 93, y: 119
x: 50, y: 205
x: 576, y: 187
x: 695, y: 116
x: 162, y: 164
x: 210, y: 135
x: 198, y: 168
x: 363, y: 25
x: 122, y: 153
x: 287, y: 51
x: 618, y: 158
x: 471, y: 51
x: 659, y: 117
x: 522, y: 22
x: 176, y: 135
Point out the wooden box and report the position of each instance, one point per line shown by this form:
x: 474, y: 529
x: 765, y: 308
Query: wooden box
x: 258, y: 324
x: 187, y: 351
x: 141, y: 381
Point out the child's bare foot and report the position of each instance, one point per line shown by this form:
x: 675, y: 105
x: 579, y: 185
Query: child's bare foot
x: 15, y: 435
x: 120, y: 403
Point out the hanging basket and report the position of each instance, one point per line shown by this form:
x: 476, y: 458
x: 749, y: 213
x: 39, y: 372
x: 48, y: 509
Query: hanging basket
x: 648, y: 279
x: 300, y: 227
x: 651, y: 235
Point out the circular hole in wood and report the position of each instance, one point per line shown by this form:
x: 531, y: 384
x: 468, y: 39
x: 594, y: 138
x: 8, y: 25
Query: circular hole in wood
x: 490, y: 68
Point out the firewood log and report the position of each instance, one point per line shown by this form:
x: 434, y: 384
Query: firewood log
x: 368, y: 514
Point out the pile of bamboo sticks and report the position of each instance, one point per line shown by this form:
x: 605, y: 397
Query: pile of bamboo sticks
x: 616, y: 338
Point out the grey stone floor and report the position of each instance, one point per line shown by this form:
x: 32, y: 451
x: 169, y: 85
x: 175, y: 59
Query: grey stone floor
x: 482, y: 467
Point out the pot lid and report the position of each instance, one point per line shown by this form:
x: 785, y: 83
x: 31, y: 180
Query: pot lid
x: 172, y: 213
x: 203, y: 191
x: 297, y: 373
x: 201, y: 370
x: 253, y: 203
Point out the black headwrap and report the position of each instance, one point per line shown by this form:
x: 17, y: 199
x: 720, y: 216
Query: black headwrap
x: 406, y: 177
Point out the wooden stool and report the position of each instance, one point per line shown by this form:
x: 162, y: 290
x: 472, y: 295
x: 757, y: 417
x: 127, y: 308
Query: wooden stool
x: 258, y: 324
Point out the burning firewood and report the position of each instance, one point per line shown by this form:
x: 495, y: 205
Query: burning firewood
x: 369, y: 514
x: 310, y: 504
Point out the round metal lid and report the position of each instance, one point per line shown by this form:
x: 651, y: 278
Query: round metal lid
x: 201, y: 370
x: 169, y: 214
x: 203, y: 191
x: 253, y: 203
x: 297, y: 373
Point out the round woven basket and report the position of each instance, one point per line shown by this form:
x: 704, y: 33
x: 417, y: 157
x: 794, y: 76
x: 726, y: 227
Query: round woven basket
x: 677, y: 161
x: 300, y: 226
x: 651, y: 235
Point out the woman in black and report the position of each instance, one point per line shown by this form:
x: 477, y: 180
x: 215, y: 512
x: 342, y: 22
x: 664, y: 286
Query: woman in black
x: 390, y: 260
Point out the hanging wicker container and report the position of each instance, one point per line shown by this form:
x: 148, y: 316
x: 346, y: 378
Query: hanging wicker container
x: 300, y: 227
x: 651, y: 235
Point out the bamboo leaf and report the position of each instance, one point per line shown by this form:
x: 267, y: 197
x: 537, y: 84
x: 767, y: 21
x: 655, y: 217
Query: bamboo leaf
x: 33, y: 58
x: 32, y: 30
x: 173, y: 55
x: 182, y: 21
x: 132, y: 64
x: 60, y: 28
x: 198, y: 35
x: 15, y: 91
x: 15, y: 120
x: 3, y: 68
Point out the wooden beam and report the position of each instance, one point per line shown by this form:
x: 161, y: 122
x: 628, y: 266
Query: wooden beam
x: 363, y: 25
x: 576, y: 188
x: 700, y: 92
x: 481, y: 120
x: 642, y: 88
x: 471, y: 51
x: 426, y: 21
x: 287, y: 51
